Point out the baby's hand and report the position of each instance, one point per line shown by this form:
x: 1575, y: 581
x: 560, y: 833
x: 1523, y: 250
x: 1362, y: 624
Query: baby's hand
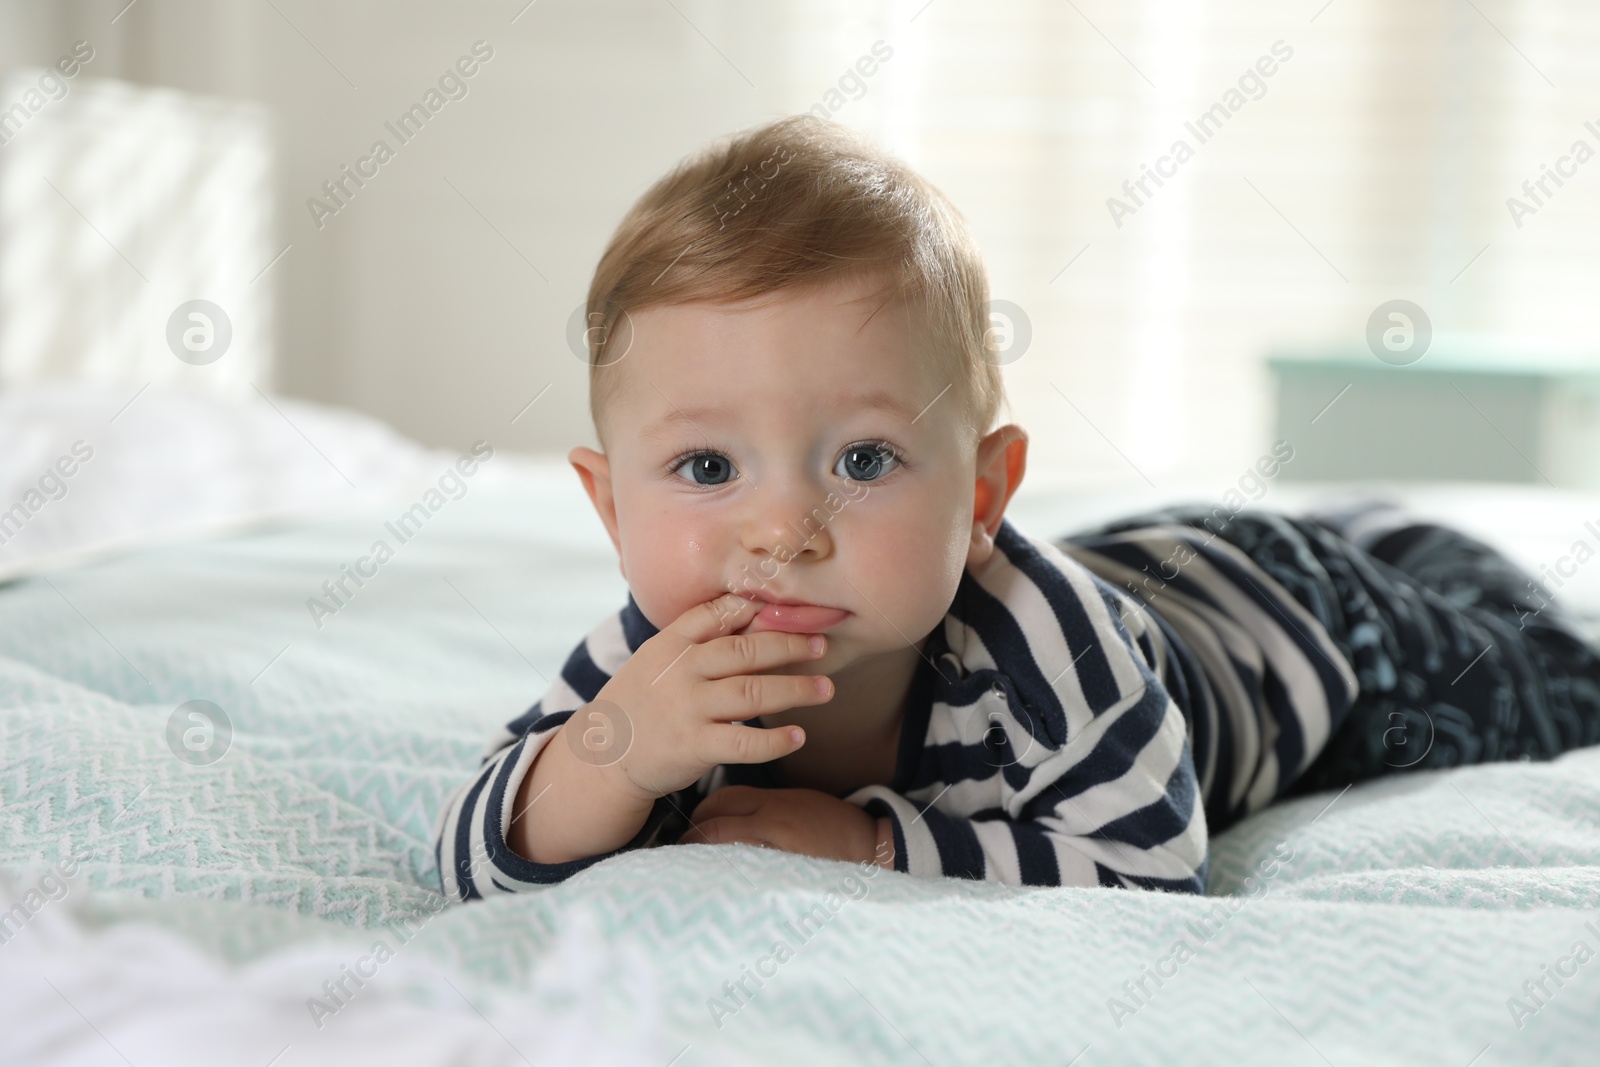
x: 796, y: 820
x: 684, y: 690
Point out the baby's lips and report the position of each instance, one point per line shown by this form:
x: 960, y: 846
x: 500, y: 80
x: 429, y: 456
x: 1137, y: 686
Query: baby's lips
x: 796, y: 618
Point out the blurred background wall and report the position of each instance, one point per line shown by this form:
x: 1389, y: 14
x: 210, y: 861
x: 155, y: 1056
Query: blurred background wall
x: 1375, y: 162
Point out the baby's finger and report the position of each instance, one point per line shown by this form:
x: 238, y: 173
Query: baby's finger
x: 714, y: 618
x: 748, y: 695
x: 727, y: 743
x: 727, y: 830
x: 724, y: 657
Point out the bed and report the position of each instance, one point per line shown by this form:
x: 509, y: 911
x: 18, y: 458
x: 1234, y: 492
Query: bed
x: 274, y: 900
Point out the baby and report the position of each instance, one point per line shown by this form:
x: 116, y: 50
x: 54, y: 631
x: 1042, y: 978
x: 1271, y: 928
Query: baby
x: 836, y: 644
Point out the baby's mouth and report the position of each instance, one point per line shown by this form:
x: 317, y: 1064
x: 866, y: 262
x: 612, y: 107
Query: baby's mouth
x: 794, y: 618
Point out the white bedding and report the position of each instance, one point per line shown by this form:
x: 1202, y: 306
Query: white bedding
x: 218, y: 899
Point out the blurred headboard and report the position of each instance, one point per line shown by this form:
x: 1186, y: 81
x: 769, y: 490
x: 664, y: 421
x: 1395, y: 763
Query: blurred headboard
x: 119, y: 206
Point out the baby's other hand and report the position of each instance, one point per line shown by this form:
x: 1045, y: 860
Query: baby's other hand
x: 806, y: 821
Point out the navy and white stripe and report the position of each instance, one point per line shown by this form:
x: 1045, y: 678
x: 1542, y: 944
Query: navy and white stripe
x: 1042, y: 743
x: 1263, y: 682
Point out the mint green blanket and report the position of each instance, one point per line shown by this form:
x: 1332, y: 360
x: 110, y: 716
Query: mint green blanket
x: 1397, y: 922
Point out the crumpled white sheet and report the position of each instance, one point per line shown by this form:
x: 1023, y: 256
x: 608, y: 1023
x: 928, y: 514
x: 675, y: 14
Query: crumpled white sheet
x: 77, y: 994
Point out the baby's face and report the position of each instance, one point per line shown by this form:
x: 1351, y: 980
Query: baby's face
x: 799, y: 451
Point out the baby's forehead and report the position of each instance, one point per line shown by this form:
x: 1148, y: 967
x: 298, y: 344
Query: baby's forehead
x: 825, y: 349
x: 803, y: 352
x: 752, y: 391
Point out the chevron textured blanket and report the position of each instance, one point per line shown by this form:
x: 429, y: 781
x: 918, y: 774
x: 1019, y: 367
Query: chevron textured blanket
x: 190, y: 750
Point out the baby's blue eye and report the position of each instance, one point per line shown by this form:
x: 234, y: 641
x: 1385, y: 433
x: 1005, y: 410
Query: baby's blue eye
x: 866, y: 462
x: 706, y: 468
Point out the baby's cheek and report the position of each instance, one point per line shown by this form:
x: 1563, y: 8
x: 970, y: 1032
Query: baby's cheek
x: 916, y: 568
x: 669, y: 573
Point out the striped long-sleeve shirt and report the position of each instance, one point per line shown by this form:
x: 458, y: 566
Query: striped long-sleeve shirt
x: 1041, y: 743
x: 1262, y: 682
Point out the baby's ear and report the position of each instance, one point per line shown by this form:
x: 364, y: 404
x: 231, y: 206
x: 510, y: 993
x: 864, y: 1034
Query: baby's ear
x: 594, y: 470
x: 1001, y: 462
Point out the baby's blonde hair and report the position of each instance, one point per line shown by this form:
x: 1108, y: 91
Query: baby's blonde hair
x: 797, y: 202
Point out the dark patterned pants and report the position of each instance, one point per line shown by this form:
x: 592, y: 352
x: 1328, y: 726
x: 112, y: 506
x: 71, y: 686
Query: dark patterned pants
x: 1461, y: 657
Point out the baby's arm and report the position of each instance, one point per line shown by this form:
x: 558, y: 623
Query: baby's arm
x: 1119, y: 805
x: 587, y: 810
x: 536, y: 814
x: 472, y: 849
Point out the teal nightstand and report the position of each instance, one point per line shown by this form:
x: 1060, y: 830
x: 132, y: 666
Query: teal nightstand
x: 1467, y: 411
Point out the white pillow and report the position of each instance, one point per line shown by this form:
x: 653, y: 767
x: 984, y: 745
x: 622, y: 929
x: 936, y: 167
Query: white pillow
x: 86, y: 470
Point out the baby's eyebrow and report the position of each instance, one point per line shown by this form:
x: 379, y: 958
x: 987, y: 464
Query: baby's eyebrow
x: 697, y: 415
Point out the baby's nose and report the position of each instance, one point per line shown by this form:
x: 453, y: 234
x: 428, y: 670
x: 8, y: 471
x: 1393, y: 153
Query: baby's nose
x: 789, y: 529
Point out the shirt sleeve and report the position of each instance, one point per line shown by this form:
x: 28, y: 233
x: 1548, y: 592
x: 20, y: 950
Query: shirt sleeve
x: 1115, y: 803
x: 471, y: 851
